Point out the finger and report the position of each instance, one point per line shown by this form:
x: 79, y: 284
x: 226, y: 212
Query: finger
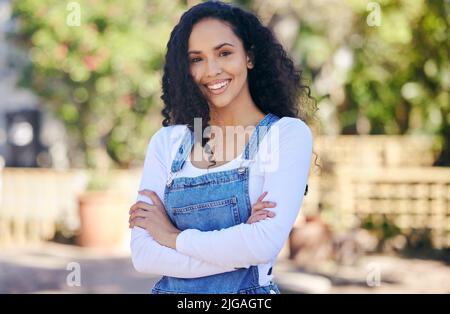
x: 261, y: 197
x: 262, y: 212
x: 133, y: 212
x: 153, y: 196
x: 141, y: 205
x: 257, y: 206
x: 133, y: 222
x: 262, y: 205
x: 265, y: 213
x: 139, y: 213
x: 256, y: 218
x: 256, y: 215
x: 138, y: 222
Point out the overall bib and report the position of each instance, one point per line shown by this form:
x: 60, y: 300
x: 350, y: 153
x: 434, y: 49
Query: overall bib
x: 213, y: 201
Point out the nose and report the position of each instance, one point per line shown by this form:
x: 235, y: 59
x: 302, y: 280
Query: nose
x: 213, y: 68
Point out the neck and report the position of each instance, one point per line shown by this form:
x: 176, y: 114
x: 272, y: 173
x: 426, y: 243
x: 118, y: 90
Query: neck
x: 241, y: 112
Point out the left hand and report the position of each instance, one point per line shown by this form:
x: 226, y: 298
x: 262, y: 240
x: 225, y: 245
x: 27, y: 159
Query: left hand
x: 258, y: 211
x: 154, y: 219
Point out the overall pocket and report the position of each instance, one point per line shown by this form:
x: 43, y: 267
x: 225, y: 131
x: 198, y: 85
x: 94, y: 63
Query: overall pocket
x: 207, y: 216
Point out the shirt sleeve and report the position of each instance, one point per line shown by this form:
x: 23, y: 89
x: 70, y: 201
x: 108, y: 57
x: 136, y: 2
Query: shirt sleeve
x: 285, y: 181
x: 148, y: 256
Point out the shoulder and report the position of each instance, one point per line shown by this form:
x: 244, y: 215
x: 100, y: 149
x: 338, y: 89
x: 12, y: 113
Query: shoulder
x: 168, y: 135
x: 289, y: 142
x: 289, y: 127
x: 165, y: 141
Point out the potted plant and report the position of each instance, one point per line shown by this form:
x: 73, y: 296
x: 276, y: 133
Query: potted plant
x: 102, y: 213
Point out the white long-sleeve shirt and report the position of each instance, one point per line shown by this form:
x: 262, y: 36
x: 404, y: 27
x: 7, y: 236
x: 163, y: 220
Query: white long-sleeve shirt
x: 281, y: 167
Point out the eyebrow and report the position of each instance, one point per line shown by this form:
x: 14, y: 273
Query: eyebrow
x: 215, y: 48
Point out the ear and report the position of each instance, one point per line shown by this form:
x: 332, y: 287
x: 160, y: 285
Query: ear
x: 250, y: 59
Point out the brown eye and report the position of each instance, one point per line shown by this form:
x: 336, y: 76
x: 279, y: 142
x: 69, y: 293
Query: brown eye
x: 195, y: 60
x: 225, y: 53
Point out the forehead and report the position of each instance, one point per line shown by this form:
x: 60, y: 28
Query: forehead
x: 210, y: 32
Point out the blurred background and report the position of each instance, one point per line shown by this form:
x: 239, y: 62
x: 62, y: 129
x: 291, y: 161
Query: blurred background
x: 80, y: 87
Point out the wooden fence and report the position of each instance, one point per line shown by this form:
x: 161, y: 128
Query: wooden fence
x: 381, y: 176
x: 36, y: 202
x: 414, y: 199
x: 377, y: 175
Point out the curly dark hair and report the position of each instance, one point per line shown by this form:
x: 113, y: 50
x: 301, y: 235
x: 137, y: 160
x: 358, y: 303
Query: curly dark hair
x: 276, y: 86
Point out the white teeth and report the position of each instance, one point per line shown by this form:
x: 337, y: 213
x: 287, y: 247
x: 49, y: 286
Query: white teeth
x: 218, y: 85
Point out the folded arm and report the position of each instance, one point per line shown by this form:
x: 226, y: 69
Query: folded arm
x: 147, y: 255
x: 244, y: 245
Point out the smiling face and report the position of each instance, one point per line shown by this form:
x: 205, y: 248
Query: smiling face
x: 218, y: 62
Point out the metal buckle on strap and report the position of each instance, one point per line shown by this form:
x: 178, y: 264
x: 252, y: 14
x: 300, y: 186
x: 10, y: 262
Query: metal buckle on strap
x: 244, y: 165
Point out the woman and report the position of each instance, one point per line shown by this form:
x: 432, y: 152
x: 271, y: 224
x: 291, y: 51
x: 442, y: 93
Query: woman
x: 193, y: 222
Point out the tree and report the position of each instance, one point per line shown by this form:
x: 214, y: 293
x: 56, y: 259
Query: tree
x: 97, y: 64
x: 386, y: 78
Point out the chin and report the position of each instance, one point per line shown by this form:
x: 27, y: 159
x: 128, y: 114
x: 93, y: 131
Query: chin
x: 220, y: 104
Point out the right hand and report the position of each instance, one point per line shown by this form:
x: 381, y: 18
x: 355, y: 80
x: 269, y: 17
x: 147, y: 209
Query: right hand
x: 258, y: 211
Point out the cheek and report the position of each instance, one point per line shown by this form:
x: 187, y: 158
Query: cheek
x: 196, y: 74
x: 237, y: 68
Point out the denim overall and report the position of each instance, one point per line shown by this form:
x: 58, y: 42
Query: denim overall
x: 213, y: 201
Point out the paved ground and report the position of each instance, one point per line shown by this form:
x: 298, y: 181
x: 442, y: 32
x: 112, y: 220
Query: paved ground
x: 43, y: 269
x: 46, y: 268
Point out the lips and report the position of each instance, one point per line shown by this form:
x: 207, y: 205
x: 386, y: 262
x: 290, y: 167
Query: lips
x: 218, y: 87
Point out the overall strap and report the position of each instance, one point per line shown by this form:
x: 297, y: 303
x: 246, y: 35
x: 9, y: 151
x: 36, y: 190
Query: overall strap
x: 261, y: 129
x: 250, y: 149
x: 253, y: 146
x: 183, y: 151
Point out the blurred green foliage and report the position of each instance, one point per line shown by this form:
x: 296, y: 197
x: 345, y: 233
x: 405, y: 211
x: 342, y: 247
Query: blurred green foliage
x: 102, y: 77
x: 399, y: 78
x: 402, y: 82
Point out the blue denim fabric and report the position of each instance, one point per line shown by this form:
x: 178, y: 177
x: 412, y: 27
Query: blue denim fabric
x: 213, y: 201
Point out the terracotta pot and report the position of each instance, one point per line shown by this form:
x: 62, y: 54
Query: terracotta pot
x: 103, y: 219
